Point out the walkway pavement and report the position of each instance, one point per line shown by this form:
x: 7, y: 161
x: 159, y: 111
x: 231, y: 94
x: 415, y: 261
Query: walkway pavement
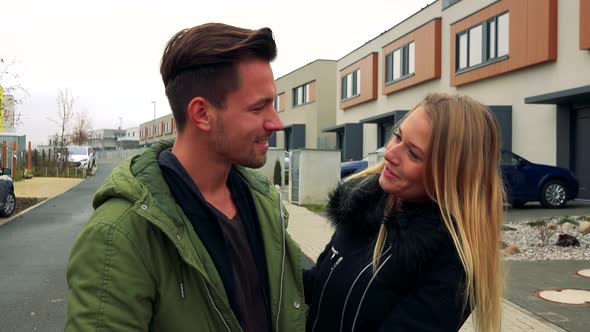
x: 313, y: 232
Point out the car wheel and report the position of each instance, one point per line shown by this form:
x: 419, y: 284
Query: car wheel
x: 9, y: 205
x: 554, y: 194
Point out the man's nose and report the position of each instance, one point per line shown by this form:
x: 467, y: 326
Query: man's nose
x: 273, y: 122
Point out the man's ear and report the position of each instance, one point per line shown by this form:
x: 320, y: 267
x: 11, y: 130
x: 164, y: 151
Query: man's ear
x: 198, y: 113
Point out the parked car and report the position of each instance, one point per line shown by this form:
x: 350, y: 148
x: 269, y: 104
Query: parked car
x: 81, y: 156
x: 350, y: 167
x: 526, y: 181
x: 7, y: 198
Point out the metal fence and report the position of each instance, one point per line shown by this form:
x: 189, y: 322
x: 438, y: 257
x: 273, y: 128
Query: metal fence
x: 116, y: 155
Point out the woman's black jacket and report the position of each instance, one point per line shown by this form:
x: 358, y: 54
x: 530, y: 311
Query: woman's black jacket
x: 419, y: 285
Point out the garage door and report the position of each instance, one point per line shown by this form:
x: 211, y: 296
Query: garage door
x: 582, y: 151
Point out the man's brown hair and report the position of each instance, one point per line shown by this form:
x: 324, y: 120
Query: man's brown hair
x: 201, y: 61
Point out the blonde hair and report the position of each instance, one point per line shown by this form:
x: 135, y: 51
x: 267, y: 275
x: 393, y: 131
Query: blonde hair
x: 463, y: 177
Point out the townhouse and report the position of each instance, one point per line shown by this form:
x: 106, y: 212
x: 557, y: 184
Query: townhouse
x: 306, y: 103
x: 158, y: 129
x: 528, y: 60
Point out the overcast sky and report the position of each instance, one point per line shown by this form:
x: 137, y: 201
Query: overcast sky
x: 107, y: 52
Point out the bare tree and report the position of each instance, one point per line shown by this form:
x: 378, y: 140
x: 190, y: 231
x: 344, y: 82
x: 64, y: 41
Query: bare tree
x: 81, y: 132
x: 64, y: 115
x: 9, y: 86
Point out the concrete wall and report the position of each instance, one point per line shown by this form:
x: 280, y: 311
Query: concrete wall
x: 315, y: 183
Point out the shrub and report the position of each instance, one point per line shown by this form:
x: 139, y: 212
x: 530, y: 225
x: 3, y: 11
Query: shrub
x: 537, y: 223
x: 277, y: 173
x: 544, y: 230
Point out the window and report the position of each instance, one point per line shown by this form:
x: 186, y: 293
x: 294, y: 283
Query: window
x: 351, y: 85
x: 399, y: 64
x: 166, y: 127
x: 301, y: 95
x: 277, y: 103
x: 482, y: 44
x: 449, y: 3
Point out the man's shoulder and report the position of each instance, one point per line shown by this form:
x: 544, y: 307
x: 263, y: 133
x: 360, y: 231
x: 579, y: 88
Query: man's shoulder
x: 257, y: 181
x: 118, y: 214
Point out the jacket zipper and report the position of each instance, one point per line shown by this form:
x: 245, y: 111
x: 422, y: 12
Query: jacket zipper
x: 352, y: 286
x: 182, y: 295
x: 215, y: 307
x: 358, y: 309
x: 317, y: 317
x: 283, y: 258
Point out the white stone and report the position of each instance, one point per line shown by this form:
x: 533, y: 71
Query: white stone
x: 568, y: 226
x: 584, y: 227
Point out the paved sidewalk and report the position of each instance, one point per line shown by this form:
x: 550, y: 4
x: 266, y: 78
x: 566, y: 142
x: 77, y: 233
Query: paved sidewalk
x: 313, y: 232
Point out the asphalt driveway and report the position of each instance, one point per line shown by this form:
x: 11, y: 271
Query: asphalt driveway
x: 535, y: 210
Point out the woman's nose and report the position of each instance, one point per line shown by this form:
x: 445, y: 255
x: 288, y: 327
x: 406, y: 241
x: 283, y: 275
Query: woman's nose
x: 392, y: 153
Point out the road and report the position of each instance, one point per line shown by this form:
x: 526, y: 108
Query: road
x: 533, y: 210
x: 34, y: 250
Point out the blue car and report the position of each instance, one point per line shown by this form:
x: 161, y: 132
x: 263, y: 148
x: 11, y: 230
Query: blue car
x: 528, y: 182
x: 350, y: 167
x: 524, y: 181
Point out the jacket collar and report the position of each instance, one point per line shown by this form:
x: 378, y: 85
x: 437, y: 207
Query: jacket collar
x: 416, y: 232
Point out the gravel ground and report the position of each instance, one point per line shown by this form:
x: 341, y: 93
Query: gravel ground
x: 538, y: 243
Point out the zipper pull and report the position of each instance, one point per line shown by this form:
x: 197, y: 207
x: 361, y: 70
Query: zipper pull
x: 334, y: 252
x: 182, y: 290
x: 337, y: 262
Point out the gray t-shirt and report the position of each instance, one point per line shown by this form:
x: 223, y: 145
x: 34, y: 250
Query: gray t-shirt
x: 248, y: 290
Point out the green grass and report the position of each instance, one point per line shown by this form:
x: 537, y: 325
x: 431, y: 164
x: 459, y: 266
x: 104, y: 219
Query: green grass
x: 317, y: 208
x: 568, y: 219
x: 537, y: 223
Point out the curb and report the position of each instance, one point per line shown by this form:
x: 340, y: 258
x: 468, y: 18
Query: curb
x: 14, y: 216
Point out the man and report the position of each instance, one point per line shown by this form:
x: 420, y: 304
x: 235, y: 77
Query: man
x: 183, y: 237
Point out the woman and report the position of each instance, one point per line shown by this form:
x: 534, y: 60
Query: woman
x: 416, y: 240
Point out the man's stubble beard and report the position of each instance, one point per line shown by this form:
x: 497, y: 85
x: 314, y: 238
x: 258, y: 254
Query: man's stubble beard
x: 222, y: 146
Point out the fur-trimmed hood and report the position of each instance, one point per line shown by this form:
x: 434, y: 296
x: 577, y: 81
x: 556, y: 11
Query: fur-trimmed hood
x: 416, y: 232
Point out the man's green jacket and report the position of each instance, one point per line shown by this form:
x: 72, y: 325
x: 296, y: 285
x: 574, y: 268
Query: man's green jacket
x: 138, y: 264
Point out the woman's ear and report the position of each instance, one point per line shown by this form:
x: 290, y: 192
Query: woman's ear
x: 198, y: 113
